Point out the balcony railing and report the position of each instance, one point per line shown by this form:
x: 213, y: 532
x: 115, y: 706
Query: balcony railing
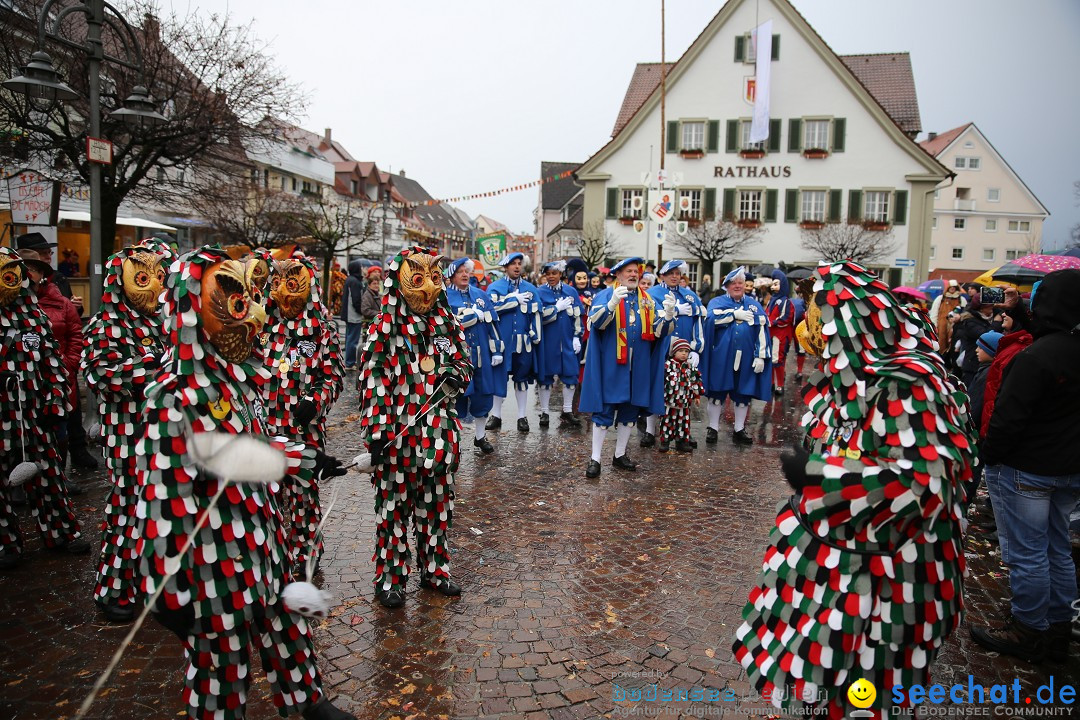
x: 968, y: 205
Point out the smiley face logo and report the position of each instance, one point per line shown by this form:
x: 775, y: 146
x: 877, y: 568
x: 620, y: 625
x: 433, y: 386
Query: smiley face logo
x: 862, y: 693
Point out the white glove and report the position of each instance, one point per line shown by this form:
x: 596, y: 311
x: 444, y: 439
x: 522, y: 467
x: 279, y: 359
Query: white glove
x: 496, y: 360
x: 694, y: 359
x: 744, y: 315
x: 685, y: 308
x: 669, y: 307
x: 577, y: 346
x: 759, y: 365
x: 563, y: 303
x: 524, y: 296
x: 617, y: 296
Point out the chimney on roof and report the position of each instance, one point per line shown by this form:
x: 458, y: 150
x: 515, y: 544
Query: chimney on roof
x: 326, y: 136
x: 401, y: 173
x: 931, y: 136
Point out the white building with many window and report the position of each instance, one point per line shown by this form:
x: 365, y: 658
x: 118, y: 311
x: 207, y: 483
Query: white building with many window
x: 840, y: 148
x: 986, y: 215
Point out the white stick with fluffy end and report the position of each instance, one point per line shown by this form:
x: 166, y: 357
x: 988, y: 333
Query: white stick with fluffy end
x: 362, y: 463
x: 23, y: 473
x: 238, y: 458
x: 305, y: 599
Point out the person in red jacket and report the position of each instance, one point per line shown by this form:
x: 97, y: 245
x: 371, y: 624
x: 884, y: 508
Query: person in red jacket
x: 65, y: 320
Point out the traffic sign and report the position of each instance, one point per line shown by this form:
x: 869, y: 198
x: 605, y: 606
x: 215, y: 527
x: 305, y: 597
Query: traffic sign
x: 904, y: 262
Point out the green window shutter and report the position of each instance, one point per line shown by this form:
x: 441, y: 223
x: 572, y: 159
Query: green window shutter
x: 710, y: 203
x: 900, y: 207
x: 613, y: 202
x: 740, y: 48
x: 854, y: 205
x: 729, y: 203
x: 835, y: 198
x: 732, y: 136
x: 713, y: 136
x: 774, y: 135
x: 775, y: 47
x: 839, y: 126
x: 794, y: 135
x: 791, y: 205
x: 673, y: 136
x: 771, y: 198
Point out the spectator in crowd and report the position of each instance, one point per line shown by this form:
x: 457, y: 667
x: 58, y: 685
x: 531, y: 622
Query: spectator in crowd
x: 69, y: 266
x: 372, y: 297
x: 352, y: 311
x: 647, y: 281
x: 944, y: 308
x: 968, y: 326
x: 705, y: 293
x: 1034, y: 435
x: 595, y: 283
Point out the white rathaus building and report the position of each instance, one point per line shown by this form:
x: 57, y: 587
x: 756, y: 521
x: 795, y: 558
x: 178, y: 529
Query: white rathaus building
x: 841, y: 146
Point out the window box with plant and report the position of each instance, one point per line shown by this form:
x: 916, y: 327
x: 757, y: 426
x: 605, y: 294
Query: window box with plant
x: 875, y: 225
x: 811, y: 224
x: 692, y: 154
x: 690, y: 219
x: 628, y: 219
x: 748, y: 223
x: 815, y: 153
x: 752, y: 153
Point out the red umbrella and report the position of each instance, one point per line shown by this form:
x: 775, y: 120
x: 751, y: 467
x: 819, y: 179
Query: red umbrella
x: 1047, y: 263
x: 905, y: 290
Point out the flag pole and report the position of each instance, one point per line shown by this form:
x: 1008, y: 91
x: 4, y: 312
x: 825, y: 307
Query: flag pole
x: 663, y: 121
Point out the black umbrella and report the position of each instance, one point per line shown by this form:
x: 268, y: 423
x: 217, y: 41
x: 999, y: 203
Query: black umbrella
x: 799, y: 273
x: 764, y: 270
x: 1017, y: 274
x: 1071, y: 252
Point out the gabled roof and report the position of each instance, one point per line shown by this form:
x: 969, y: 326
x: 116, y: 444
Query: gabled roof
x: 554, y: 195
x: 495, y: 225
x: 435, y: 217
x: 645, y: 80
x: 574, y: 222
x: 943, y: 140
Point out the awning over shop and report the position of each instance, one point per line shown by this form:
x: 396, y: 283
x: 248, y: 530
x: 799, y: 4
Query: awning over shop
x: 132, y: 222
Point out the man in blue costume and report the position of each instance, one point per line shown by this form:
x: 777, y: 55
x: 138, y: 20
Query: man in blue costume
x: 518, y: 306
x: 477, y: 316
x: 623, y: 373
x: 736, y: 356
x: 557, y: 357
x: 690, y: 312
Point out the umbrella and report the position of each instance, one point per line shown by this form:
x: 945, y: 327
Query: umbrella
x: 933, y: 288
x: 1069, y: 252
x: 1011, y: 273
x: 989, y: 279
x: 799, y: 273
x: 763, y: 270
x: 1047, y: 263
x: 905, y: 290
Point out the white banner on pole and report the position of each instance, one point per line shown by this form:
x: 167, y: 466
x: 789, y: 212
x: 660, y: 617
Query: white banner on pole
x: 762, y: 39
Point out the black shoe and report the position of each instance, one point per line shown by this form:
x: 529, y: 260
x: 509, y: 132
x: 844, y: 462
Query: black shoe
x: 741, y: 438
x: 1057, y: 639
x: 647, y: 440
x: 81, y: 458
x: 624, y: 462
x: 568, y: 419
x: 663, y: 447
x: 523, y: 425
x: 593, y: 470
x: 485, y: 446
x: 545, y: 421
x: 682, y: 446
x: 78, y: 546
x: 493, y: 423
x: 8, y: 560
x: 392, y: 598
x: 1013, y: 638
x: 325, y: 710
x: 778, y: 390
x: 443, y: 586
x: 711, y: 436
x: 693, y: 443
x: 115, y: 612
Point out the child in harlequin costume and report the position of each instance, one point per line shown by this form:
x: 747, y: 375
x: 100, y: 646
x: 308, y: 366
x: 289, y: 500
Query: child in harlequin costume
x: 518, y: 305
x: 736, y: 356
x: 414, y: 363
x: 863, y: 574
x: 781, y: 313
x: 33, y: 402
x: 690, y: 312
x: 226, y: 590
x: 125, y: 346
x: 478, y: 318
x: 623, y: 371
x: 560, y: 343
x: 300, y: 342
x: 682, y: 388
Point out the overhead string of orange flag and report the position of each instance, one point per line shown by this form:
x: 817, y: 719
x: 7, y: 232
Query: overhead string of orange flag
x: 493, y: 193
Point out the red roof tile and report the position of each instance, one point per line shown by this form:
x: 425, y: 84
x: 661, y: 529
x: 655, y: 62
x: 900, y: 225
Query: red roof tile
x: 888, y: 78
x: 943, y: 140
x: 645, y: 80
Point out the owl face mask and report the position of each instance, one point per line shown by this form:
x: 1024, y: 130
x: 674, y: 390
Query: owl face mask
x: 291, y: 288
x: 421, y: 282
x: 143, y: 279
x: 808, y: 332
x: 11, y: 279
x: 231, y: 315
x: 258, y: 271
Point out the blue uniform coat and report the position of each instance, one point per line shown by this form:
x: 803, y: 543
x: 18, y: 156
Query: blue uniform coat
x: 556, y: 357
x: 477, y: 316
x: 688, y: 327
x: 725, y: 338
x: 519, y: 328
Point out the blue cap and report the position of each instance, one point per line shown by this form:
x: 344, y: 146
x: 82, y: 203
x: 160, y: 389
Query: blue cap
x: 511, y: 257
x: 675, y: 265
x: 623, y: 263
x: 559, y: 265
x: 737, y: 273
x: 988, y: 341
x: 453, y: 267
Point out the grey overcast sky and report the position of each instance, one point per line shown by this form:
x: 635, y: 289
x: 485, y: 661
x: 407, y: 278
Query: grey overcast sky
x: 471, y: 95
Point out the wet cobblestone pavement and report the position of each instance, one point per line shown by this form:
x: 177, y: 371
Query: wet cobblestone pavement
x: 571, y: 587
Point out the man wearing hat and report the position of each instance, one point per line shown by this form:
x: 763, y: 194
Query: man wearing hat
x: 623, y: 370
x: 688, y: 323
x: 516, y: 301
x: 34, y: 246
x: 560, y: 343
x: 953, y: 299
x: 737, y: 363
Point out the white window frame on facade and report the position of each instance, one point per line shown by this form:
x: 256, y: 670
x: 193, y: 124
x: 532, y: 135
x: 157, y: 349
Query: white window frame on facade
x: 626, y: 198
x: 959, y: 224
x: 813, y: 204
x: 823, y: 126
x: 692, y: 275
x: 966, y: 162
x: 750, y: 201
x: 993, y: 195
x: 697, y: 131
x: 988, y: 254
x: 991, y: 224
x: 960, y: 162
x: 1019, y: 226
x: 1013, y: 254
x: 933, y: 225
x: 749, y: 49
x: 956, y: 250
x: 696, y: 196
x: 937, y: 193
x: 877, y: 205
x: 744, y: 136
x: 933, y: 251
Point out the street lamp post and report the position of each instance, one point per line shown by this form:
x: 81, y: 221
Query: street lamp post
x: 40, y: 81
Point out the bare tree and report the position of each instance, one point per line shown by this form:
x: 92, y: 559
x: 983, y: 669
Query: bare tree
x: 247, y: 214
x: 332, y: 228
x: 212, y: 79
x: 714, y: 240
x: 597, y: 244
x: 848, y: 241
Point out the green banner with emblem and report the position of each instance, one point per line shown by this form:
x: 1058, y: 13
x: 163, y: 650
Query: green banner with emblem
x: 490, y: 249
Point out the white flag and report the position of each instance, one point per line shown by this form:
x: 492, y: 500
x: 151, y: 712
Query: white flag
x: 762, y: 39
